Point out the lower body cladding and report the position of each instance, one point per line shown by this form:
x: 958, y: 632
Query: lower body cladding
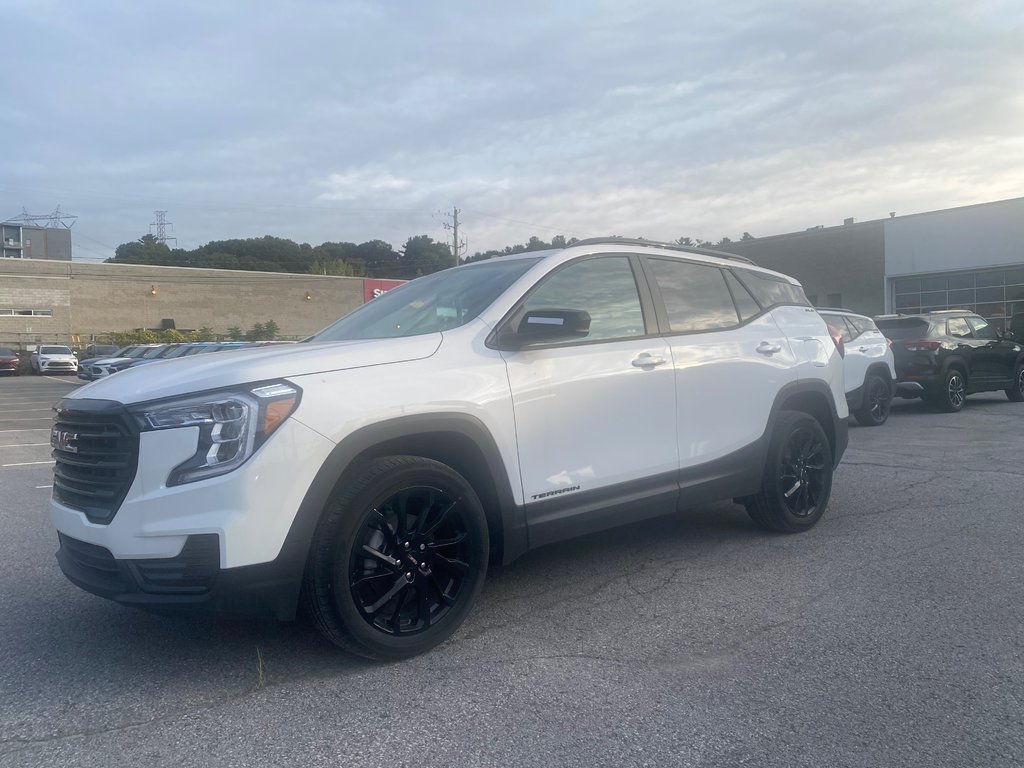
x: 221, y: 544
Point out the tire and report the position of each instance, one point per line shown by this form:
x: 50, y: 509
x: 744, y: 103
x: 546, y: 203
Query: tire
x: 797, y: 479
x: 1016, y: 392
x: 398, y: 558
x: 877, y: 402
x: 951, y: 398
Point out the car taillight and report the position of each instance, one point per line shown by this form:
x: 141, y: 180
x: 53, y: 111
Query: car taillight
x: 922, y: 346
x: 837, y: 337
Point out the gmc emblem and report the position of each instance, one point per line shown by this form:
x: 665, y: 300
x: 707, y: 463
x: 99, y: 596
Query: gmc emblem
x: 63, y: 441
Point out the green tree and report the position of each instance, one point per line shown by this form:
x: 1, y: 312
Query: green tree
x: 422, y: 256
x: 235, y: 333
x: 205, y: 334
x: 747, y: 236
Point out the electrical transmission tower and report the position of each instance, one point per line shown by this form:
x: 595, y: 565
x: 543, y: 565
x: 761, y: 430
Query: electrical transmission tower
x: 161, y: 225
x: 53, y: 220
x: 458, y: 246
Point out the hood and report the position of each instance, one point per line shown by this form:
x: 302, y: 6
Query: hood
x: 184, y: 375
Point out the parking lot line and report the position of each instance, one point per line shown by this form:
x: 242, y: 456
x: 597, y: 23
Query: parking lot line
x: 32, y: 418
x: 62, y: 381
x: 24, y: 445
x: 43, y: 486
x: 26, y: 410
x: 32, y: 429
x: 26, y: 463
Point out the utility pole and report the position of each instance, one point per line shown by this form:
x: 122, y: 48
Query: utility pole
x: 161, y: 225
x: 458, y: 246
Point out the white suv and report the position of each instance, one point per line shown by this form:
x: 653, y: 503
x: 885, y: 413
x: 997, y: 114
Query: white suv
x: 869, y: 366
x: 53, y: 358
x: 455, y: 421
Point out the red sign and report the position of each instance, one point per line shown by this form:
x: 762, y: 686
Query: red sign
x: 374, y: 288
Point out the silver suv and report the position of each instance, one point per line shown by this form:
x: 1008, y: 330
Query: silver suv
x: 869, y: 367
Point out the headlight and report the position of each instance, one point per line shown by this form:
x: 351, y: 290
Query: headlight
x: 233, y: 424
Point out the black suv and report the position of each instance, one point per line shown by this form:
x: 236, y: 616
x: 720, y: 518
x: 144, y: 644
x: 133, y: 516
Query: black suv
x: 946, y: 355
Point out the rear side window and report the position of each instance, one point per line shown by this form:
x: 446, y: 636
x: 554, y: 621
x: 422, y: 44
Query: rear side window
x: 769, y: 290
x: 696, y: 297
x: 745, y: 303
x: 839, y: 324
x: 899, y: 329
x: 958, y: 327
x: 861, y: 324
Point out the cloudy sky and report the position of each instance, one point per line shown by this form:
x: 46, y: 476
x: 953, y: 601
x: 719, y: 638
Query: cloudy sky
x: 346, y: 120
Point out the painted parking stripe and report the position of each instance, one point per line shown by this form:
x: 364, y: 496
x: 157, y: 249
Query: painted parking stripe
x: 27, y: 463
x: 43, y: 486
x: 32, y: 418
x: 24, y: 445
x: 33, y: 429
x: 62, y: 381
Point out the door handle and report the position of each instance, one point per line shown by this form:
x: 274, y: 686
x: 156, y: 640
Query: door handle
x: 862, y: 349
x: 767, y: 348
x: 646, y: 360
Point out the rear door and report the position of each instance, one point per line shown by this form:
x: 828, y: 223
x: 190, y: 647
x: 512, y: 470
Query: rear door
x: 730, y: 359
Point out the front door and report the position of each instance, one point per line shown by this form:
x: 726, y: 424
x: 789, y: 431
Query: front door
x: 595, y: 419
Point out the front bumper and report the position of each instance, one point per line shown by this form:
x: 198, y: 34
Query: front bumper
x: 189, y: 582
x: 243, y: 519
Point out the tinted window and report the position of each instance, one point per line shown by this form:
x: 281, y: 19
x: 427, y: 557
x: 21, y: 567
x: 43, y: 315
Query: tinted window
x: 957, y: 326
x: 437, y: 302
x: 696, y: 297
x: 861, y: 324
x: 744, y: 301
x: 837, y: 324
x: 903, y: 328
x: 982, y: 330
x: 604, y: 287
x: 769, y: 290
x: 54, y: 351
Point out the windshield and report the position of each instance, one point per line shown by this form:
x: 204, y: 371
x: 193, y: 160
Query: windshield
x: 903, y: 328
x: 152, y: 352
x: 55, y: 351
x: 438, y: 302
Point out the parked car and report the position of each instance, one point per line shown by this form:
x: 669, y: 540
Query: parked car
x: 53, y: 358
x: 97, y: 369
x: 869, y: 367
x: 94, y: 351
x: 9, y: 361
x: 459, y: 419
x: 946, y: 355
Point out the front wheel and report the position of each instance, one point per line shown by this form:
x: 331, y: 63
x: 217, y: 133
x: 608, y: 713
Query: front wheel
x: 877, y: 402
x: 398, y: 558
x: 1016, y: 392
x: 797, y: 479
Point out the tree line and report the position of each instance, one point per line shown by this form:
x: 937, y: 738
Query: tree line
x: 421, y: 255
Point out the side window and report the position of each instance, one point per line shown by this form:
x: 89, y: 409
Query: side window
x: 982, y: 330
x: 958, y: 327
x: 769, y: 290
x: 744, y: 301
x: 861, y: 324
x: 838, y: 324
x: 695, y: 295
x: 604, y: 287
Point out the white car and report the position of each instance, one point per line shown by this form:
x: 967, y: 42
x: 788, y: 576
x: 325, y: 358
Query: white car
x: 53, y: 358
x: 870, y: 369
x: 462, y: 418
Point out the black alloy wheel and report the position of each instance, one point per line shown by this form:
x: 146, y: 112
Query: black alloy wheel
x: 877, y: 402
x: 398, y: 559
x: 797, y: 480
x: 954, y: 392
x: 1016, y: 392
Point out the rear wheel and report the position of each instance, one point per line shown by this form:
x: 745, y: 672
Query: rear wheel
x: 951, y: 397
x: 398, y: 558
x: 1016, y: 392
x: 877, y: 402
x: 797, y: 476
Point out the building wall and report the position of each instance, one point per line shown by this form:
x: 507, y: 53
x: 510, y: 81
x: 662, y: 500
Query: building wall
x: 35, y: 242
x: 972, y: 237
x: 93, y: 299
x: 845, y: 262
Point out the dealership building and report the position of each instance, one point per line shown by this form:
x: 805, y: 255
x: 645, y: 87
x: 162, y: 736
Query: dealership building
x: 959, y: 258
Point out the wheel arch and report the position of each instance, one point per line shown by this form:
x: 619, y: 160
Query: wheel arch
x: 814, y: 398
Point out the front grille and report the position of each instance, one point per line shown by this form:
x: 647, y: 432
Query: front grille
x: 96, y: 450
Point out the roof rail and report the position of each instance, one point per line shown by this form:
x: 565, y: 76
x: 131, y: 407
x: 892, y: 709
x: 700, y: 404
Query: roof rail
x: 948, y: 311
x: 838, y: 309
x: 659, y: 244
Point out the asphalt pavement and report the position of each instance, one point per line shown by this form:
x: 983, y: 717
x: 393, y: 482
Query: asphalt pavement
x: 889, y: 635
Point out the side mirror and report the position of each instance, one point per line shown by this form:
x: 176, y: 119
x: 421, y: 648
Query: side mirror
x: 546, y: 326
